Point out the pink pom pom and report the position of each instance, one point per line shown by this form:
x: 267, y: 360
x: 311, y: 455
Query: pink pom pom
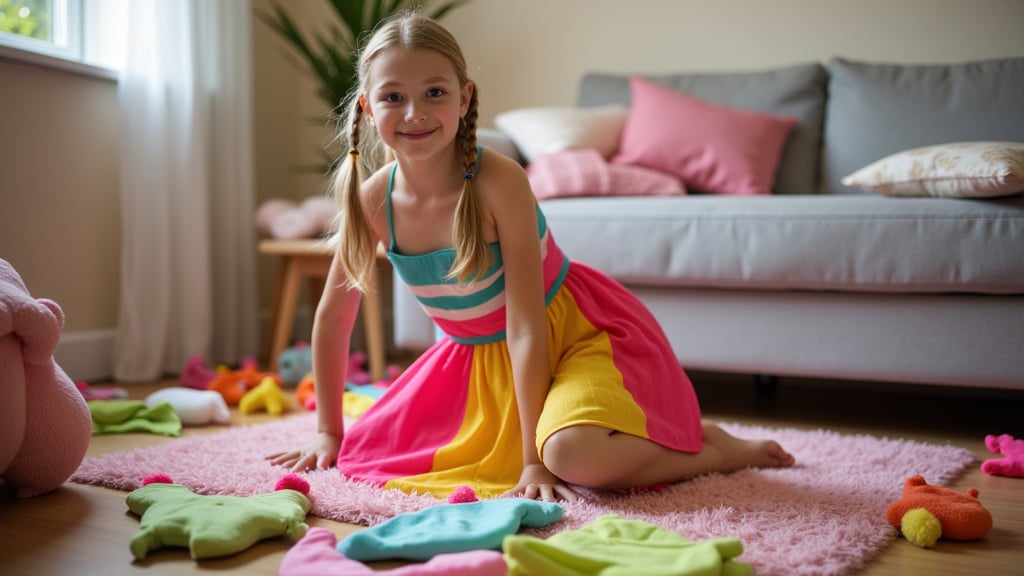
x: 462, y: 495
x: 157, y: 479
x: 292, y: 482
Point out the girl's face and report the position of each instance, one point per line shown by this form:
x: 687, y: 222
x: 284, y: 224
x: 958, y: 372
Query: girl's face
x: 414, y: 100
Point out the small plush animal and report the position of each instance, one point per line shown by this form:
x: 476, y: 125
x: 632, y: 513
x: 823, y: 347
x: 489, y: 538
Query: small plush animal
x: 45, y: 425
x: 294, y: 363
x: 926, y: 513
x: 1012, y: 462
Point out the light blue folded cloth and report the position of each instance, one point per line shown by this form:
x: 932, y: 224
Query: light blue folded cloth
x: 448, y: 528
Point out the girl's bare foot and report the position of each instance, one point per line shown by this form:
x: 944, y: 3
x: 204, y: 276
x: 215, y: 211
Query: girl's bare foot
x: 737, y: 453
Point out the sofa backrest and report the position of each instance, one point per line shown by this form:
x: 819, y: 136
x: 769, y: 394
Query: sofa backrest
x: 854, y: 113
x: 875, y: 110
x: 797, y: 91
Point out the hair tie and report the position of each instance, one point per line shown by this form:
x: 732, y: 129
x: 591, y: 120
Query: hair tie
x: 353, y: 152
x: 468, y: 175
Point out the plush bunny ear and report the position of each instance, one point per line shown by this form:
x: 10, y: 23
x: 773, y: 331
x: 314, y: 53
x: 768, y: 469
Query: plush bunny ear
x: 39, y: 325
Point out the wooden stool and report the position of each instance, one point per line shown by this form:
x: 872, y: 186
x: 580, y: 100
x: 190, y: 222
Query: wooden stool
x: 310, y: 259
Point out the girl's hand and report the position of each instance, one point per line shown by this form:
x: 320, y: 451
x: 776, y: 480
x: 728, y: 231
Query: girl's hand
x: 319, y: 454
x: 538, y: 483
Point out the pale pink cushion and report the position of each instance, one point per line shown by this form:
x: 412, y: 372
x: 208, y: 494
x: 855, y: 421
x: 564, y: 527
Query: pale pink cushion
x: 585, y: 172
x: 713, y: 148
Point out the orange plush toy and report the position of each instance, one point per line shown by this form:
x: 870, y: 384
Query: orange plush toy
x: 926, y: 513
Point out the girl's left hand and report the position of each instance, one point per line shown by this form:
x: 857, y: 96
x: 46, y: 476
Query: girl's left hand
x: 538, y: 483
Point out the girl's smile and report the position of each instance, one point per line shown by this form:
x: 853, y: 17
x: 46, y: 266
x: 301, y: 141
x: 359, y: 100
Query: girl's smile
x: 415, y: 101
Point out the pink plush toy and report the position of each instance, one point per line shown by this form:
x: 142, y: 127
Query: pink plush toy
x: 1012, y: 462
x: 45, y: 423
x: 284, y: 219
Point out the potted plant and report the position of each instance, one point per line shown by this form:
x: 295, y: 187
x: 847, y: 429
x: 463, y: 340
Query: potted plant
x: 331, y: 56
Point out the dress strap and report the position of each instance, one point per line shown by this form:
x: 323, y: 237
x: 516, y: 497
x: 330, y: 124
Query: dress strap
x: 391, y: 186
x: 391, y: 223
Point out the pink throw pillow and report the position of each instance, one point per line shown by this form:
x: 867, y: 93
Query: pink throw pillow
x: 584, y: 172
x: 713, y: 148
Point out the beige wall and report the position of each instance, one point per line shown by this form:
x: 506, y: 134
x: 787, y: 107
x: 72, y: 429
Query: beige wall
x: 533, y: 52
x: 58, y: 188
x: 59, y: 215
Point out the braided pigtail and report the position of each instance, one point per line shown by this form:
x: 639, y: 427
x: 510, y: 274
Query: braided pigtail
x: 472, y: 254
x: 355, y: 248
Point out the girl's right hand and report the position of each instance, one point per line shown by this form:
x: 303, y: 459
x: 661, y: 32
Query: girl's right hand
x: 319, y: 454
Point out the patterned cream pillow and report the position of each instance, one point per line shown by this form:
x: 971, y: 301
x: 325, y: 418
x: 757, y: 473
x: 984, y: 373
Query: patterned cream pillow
x: 546, y: 130
x: 956, y: 170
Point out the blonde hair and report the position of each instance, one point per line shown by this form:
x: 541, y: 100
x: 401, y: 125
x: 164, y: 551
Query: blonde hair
x: 355, y: 248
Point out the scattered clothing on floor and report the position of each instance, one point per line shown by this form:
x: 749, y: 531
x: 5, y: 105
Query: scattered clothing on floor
x: 121, y: 416
x: 448, y: 528
x: 614, y: 545
x: 317, y: 555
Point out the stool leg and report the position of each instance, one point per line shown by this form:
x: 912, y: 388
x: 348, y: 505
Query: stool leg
x: 275, y: 315
x: 285, y: 321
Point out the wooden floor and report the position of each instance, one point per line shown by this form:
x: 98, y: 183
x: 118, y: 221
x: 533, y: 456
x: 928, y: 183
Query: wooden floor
x: 85, y: 530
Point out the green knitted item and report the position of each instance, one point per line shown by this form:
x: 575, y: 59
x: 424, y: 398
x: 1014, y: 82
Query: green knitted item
x: 614, y: 546
x: 212, y: 526
x: 119, y: 416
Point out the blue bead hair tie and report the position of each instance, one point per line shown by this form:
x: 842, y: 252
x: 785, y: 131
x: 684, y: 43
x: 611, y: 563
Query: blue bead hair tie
x: 468, y: 175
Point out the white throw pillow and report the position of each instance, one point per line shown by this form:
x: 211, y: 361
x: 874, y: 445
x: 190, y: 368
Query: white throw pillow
x: 955, y: 170
x: 545, y: 130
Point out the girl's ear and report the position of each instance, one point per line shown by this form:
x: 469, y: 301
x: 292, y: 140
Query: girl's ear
x: 366, y: 107
x: 467, y: 94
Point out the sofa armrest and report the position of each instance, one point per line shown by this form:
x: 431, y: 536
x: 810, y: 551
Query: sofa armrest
x: 499, y: 142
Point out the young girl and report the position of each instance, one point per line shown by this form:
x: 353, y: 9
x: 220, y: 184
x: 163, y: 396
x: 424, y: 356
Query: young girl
x: 550, y: 374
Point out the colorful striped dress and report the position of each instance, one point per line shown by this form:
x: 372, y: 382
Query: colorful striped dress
x: 450, y: 419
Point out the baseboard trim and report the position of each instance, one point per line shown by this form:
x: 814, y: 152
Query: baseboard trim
x: 87, y: 355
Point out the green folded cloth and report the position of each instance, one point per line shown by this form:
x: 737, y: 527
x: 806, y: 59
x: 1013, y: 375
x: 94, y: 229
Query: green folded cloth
x: 614, y: 546
x: 119, y: 416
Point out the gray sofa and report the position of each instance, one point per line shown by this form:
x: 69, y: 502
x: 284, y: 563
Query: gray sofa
x: 819, y: 279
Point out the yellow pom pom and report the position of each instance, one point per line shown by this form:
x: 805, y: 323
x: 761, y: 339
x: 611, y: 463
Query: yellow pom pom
x: 920, y: 527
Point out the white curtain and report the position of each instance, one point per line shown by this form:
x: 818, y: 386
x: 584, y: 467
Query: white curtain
x: 188, y: 263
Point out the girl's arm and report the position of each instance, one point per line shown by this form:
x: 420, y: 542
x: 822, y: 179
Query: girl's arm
x: 332, y: 330
x: 332, y: 334
x: 514, y: 210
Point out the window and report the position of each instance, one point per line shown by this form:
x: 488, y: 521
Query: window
x: 50, y: 27
x: 85, y: 36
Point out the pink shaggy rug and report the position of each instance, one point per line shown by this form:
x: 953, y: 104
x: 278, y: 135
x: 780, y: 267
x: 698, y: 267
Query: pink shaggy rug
x: 825, y: 516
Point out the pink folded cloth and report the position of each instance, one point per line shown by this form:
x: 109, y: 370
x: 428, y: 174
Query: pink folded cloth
x: 316, y: 555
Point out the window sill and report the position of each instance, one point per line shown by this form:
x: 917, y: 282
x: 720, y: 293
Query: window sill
x: 36, y: 59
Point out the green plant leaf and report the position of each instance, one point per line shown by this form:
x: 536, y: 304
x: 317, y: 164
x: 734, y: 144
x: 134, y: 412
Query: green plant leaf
x: 331, y: 57
x: 445, y: 8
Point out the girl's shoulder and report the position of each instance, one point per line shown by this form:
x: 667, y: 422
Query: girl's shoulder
x: 374, y: 189
x: 501, y: 176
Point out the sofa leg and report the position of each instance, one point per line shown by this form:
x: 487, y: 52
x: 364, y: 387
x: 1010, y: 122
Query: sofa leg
x: 765, y: 386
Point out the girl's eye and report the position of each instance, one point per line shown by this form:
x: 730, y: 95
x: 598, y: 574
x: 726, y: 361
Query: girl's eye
x: 435, y: 92
x: 391, y: 98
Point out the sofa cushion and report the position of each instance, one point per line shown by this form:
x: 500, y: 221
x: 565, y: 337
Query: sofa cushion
x: 875, y: 110
x: 585, y: 173
x: 545, y: 130
x: 955, y: 170
x: 713, y: 148
x: 837, y: 242
x: 797, y: 91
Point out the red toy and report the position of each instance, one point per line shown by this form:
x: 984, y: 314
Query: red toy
x: 233, y: 384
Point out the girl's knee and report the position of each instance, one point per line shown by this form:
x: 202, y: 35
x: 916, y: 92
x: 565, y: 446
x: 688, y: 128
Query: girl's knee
x: 576, y: 456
